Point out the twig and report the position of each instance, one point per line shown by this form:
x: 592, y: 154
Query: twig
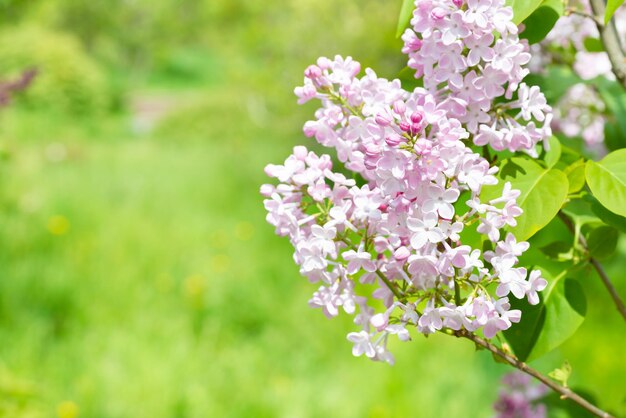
x: 610, y: 40
x: 619, y: 303
x: 571, y: 11
x: 565, y: 392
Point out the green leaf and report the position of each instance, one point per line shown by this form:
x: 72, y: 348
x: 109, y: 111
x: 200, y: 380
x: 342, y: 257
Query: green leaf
x: 406, y: 12
x: 552, y: 157
x: 602, y: 241
x: 593, y: 45
x: 522, y: 9
x: 607, y: 181
x: 549, y: 324
x: 611, y: 7
x: 543, y: 192
x: 408, y: 80
x: 608, y: 217
x: 562, y: 374
x: 575, y: 175
x: 542, y: 20
x: 558, y: 250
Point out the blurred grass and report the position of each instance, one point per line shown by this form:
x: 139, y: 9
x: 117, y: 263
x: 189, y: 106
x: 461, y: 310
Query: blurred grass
x: 139, y: 278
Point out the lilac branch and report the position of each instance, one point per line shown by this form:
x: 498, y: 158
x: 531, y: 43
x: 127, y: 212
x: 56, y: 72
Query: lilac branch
x: 566, y: 393
x: 611, y: 41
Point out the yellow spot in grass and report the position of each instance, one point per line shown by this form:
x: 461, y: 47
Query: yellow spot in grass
x: 244, y: 231
x: 67, y: 409
x: 220, y: 263
x: 194, y: 286
x: 58, y: 225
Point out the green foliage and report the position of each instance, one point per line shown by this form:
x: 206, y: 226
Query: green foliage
x: 608, y: 217
x: 611, y: 7
x: 406, y: 12
x: 553, y: 156
x: 602, y: 241
x: 575, y: 173
x: 593, y: 45
x: 68, y: 80
x: 549, y: 324
x: 562, y: 374
x: 607, y: 181
x: 541, y: 21
x: 522, y: 9
x: 543, y: 193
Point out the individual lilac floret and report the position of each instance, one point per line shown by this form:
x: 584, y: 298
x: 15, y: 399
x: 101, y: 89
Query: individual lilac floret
x: 520, y: 397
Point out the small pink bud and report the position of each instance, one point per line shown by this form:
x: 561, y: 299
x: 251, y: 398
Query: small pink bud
x: 382, y: 120
x: 401, y: 254
x: 417, y: 117
x: 405, y: 126
x: 458, y: 3
x: 438, y: 13
x: 312, y: 72
x: 415, y: 128
x: 393, y: 140
x: 372, y: 150
x: 399, y: 107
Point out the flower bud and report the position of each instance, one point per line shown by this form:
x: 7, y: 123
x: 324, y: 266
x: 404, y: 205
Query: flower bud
x: 417, y: 117
x: 399, y: 107
x: 382, y: 120
x: 401, y: 253
x: 372, y: 150
x: 394, y: 140
x: 312, y: 72
x: 405, y: 126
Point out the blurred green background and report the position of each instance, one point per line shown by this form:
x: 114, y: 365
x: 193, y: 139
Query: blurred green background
x: 138, y: 277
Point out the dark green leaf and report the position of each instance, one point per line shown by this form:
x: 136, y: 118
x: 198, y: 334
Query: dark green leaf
x: 408, y: 80
x: 608, y: 217
x: 558, y: 250
x: 602, y: 241
x: 550, y: 323
x: 542, y: 20
x: 593, y: 45
x: 607, y: 181
x: 406, y: 12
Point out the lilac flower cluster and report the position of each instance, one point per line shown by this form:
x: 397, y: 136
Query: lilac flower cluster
x: 452, y: 45
x: 393, y: 247
x: 520, y: 397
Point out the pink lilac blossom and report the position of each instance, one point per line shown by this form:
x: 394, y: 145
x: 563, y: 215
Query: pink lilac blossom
x: 520, y: 398
x: 465, y: 67
x: 400, y: 231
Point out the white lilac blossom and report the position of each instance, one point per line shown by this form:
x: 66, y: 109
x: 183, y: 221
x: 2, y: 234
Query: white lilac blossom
x: 520, y: 397
x: 400, y: 230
